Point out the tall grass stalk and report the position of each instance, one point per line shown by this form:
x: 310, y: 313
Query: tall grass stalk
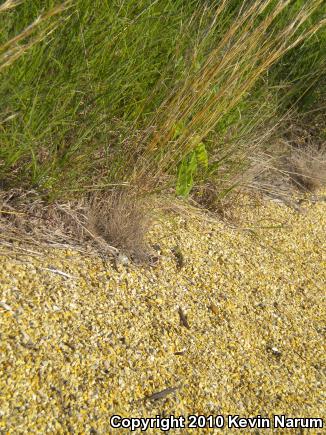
x: 244, y: 53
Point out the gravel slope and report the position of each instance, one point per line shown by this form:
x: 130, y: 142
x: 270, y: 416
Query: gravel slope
x: 248, y: 339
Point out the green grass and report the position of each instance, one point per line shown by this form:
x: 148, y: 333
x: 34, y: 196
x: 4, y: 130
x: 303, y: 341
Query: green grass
x: 91, y: 93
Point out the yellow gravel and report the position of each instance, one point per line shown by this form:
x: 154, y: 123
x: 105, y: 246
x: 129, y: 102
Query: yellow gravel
x: 78, y: 348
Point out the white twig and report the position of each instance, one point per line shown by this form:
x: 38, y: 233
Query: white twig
x: 59, y: 272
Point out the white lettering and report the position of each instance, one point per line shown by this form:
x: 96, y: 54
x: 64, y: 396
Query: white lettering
x: 165, y: 424
x: 237, y: 422
x: 259, y: 422
x: 144, y: 424
x: 281, y: 421
x: 115, y: 421
x: 234, y: 421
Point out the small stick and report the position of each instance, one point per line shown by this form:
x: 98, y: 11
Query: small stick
x: 161, y: 394
x: 59, y: 272
x: 183, y: 318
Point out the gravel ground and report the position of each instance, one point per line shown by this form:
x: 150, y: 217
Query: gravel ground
x: 233, y: 319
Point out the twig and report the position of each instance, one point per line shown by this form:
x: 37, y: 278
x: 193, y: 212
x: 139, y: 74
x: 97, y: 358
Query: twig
x: 161, y: 394
x: 59, y: 272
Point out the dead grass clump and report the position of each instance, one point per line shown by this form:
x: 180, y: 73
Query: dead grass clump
x: 307, y: 168
x: 304, y: 159
x: 104, y: 222
x: 294, y: 160
x: 25, y: 217
x: 121, y: 219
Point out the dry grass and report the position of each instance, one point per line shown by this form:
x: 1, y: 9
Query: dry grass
x: 305, y: 157
x: 121, y: 219
x: 108, y: 223
x: 295, y: 159
x: 307, y: 168
x: 25, y: 217
x: 9, y: 4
